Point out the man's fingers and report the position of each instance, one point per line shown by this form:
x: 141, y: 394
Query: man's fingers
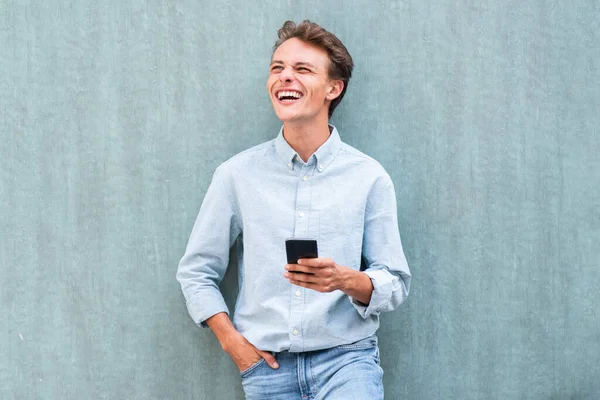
x: 300, y: 268
x: 308, y: 278
x: 268, y: 358
x: 307, y: 285
x: 316, y: 262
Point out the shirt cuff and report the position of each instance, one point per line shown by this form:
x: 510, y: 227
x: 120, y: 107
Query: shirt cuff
x: 384, y: 285
x: 204, y: 305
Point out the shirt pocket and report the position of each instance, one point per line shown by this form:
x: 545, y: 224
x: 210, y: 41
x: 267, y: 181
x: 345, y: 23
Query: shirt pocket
x: 340, y: 235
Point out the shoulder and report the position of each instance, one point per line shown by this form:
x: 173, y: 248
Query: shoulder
x: 243, y: 160
x: 365, y: 163
x: 374, y: 180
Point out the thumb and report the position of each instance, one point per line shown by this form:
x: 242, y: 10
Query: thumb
x: 269, y: 359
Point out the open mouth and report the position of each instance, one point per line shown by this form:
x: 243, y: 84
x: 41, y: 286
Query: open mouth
x: 288, y: 96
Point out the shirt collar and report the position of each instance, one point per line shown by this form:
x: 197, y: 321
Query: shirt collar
x: 324, y: 154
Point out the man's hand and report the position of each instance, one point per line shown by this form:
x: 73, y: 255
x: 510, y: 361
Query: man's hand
x: 244, y: 354
x: 241, y: 351
x: 320, y: 274
x: 324, y: 275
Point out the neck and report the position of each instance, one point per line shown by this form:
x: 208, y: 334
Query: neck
x: 306, y: 138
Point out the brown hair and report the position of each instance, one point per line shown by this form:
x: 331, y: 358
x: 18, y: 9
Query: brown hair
x: 340, y: 61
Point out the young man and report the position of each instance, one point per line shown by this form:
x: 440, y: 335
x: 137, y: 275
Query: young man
x: 306, y: 330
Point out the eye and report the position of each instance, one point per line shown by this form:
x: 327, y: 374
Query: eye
x: 276, y: 68
x: 303, y: 69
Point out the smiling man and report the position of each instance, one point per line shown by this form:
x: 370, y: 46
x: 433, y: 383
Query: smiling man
x: 306, y: 330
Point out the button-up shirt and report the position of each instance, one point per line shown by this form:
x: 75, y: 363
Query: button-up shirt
x: 267, y: 194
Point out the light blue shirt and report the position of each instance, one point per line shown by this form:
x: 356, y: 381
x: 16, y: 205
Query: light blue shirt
x: 266, y: 194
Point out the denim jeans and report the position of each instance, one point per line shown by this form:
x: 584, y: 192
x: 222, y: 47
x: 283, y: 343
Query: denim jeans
x: 348, y: 372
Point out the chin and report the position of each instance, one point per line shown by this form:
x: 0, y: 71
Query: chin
x: 286, y: 116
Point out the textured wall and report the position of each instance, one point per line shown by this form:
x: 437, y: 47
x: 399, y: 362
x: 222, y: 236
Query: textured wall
x: 113, y: 116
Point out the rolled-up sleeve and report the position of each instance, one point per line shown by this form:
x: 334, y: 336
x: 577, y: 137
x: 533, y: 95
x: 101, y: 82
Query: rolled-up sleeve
x: 206, y: 257
x: 382, y: 251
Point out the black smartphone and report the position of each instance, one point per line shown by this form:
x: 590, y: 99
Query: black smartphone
x: 300, y: 248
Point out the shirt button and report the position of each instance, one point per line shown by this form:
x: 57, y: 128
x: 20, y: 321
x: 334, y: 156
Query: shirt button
x: 298, y: 293
x: 296, y: 332
x: 301, y: 214
x: 305, y: 178
x: 320, y: 167
x: 290, y: 165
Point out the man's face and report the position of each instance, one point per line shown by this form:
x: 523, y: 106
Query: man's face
x: 298, y: 83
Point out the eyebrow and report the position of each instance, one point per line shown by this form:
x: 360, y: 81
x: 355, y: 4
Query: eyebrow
x: 300, y: 63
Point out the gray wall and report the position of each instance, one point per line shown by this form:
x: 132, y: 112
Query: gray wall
x: 114, y: 116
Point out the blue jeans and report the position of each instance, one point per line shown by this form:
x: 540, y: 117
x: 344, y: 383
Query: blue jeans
x: 345, y: 372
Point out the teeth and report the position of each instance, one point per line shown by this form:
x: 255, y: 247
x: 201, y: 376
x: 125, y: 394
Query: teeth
x: 295, y: 95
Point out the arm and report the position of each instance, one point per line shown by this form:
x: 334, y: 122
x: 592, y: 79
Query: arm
x: 386, y: 281
x: 383, y: 253
x: 206, y: 257
x: 203, y: 267
x: 242, y: 352
x: 327, y: 276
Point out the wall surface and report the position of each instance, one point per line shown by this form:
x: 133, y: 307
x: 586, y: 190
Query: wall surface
x: 114, y: 115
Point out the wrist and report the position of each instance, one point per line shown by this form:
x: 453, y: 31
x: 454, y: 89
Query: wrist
x: 358, y: 285
x: 224, y: 330
x: 348, y: 278
x: 230, y: 340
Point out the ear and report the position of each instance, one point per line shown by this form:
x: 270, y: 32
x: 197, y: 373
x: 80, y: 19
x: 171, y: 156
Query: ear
x: 334, y: 90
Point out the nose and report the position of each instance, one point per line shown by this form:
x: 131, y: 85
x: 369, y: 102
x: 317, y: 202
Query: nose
x: 286, y: 75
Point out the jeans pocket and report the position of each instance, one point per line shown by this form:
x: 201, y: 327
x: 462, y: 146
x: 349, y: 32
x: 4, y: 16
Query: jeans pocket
x: 251, y: 368
x: 366, y: 343
x: 376, y: 355
x: 367, y: 346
